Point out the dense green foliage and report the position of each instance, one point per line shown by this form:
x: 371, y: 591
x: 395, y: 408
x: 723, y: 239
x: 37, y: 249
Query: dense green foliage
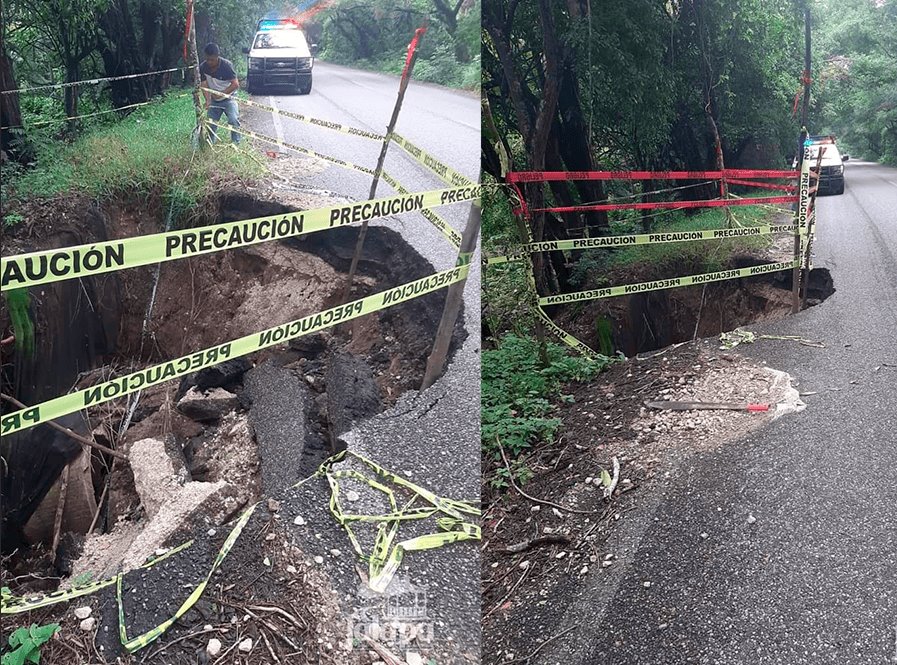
x: 519, y: 395
x: 856, y: 75
x: 374, y: 34
x: 150, y: 151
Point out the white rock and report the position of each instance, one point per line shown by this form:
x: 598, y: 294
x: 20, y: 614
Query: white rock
x: 299, y: 520
x: 208, y: 627
x: 246, y: 645
x: 751, y: 519
x: 335, y: 552
x: 213, y: 648
x: 291, y: 570
x: 647, y: 585
x: 83, y: 612
x: 352, y: 495
x: 319, y: 559
x: 88, y: 624
x: 413, y: 658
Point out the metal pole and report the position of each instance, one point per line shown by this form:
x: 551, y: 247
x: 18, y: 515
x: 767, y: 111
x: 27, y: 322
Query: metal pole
x: 453, y: 299
x: 359, y: 243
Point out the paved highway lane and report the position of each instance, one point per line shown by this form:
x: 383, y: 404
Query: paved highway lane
x: 814, y: 579
x: 444, y: 122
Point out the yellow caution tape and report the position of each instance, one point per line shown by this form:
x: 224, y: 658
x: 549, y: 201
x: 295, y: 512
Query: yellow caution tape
x: 437, y: 221
x: 136, y: 643
x: 292, y: 146
x: 70, y: 84
x: 326, y: 124
x: 511, y: 258
x: 142, y: 379
x: 446, y: 173
x: 564, y: 336
x: 18, y: 604
x: 385, y: 557
x: 660, y: 238
x: 660, y: 284
x: 56, y: 265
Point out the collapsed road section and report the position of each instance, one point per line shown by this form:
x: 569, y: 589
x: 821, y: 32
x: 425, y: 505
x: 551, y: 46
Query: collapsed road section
x: 239, y: 430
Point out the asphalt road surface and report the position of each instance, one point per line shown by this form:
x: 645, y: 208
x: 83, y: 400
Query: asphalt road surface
x: 814, y: 578
x: 444, y: 122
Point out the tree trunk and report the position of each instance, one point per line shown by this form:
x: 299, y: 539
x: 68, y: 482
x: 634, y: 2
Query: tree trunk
x: 13, y: 143
x: 72, y: 73
x: 575, y: 148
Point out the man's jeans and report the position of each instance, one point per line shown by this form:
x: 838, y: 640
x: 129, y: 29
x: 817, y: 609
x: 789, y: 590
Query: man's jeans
x: 229, y: 108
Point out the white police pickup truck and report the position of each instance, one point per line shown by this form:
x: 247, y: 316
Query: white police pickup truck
x: 280, y: 56
x: 831, y: 177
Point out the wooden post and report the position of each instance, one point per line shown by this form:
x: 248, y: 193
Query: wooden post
x: 197, y: 95
x: 403, y: 86
x: 453, y: 299
x: 805, y: 278
x: 799, y: 217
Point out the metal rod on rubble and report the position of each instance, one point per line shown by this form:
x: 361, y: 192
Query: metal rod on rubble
x: 191, y: 52
x: 453, y: 299
x: 403, y: 85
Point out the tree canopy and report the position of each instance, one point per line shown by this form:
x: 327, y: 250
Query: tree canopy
x: 856, y: 75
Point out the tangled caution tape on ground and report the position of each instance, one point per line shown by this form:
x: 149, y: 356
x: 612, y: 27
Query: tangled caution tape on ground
x: 453, y: 519
x: 384, y: 559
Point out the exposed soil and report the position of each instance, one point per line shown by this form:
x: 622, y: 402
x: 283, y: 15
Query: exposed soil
x: 653, y: 320
x: 92, y: 330
x: 525, y: 588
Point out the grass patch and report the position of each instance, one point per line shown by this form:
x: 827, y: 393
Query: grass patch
x: 704, y: 255
x: 150, y: 150
x: 519, y: 396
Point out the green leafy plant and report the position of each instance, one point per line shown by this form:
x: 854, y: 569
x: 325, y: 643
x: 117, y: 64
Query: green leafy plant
x: 25, y: 643
x: 519, y: 396
x: 12, y: 218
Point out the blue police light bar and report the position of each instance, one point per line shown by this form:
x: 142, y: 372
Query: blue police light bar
x: 278, y: 24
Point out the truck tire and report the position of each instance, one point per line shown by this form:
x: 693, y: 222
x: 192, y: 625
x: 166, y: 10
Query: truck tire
x: 839, y: 188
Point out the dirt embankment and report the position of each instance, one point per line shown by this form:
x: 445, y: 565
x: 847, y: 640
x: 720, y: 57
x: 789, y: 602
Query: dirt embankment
x: 652, y: 320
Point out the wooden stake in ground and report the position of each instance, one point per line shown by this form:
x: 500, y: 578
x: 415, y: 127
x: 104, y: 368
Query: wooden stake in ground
x: 68, y: 432
x: 403, y: 85
x: 453, y: 299
x: 811, y: 215
x: 191, y: 52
